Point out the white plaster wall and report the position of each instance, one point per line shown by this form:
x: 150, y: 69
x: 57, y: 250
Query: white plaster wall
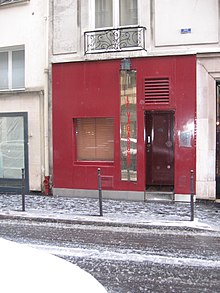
x: 65, y: 32
x: 163, y: 20
x: 24, y: 24
x: 207, y: 74
x: 71, y: 18
x: 201, y: 16
x: 31, y: 103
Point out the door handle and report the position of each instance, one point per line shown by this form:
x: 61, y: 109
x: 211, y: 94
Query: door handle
x: 148, y: 143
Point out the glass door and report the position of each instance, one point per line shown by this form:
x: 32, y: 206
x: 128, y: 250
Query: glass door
x: 13, y: 150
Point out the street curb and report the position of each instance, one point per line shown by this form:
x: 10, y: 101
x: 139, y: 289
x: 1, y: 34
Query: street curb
x: 148, y: 225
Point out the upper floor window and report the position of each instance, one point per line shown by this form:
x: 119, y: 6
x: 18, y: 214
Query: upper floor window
x: 115, y: 13
x: 12, y: 68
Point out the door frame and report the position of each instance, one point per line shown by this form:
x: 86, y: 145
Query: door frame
x: 146, y: 112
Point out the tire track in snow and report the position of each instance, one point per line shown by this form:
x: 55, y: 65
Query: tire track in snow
x: 126, y: 255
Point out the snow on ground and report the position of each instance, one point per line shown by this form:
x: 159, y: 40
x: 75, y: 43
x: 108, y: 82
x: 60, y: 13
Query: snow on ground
x: 117, y: 216
x: 114, y: 211
x: 24, y: 269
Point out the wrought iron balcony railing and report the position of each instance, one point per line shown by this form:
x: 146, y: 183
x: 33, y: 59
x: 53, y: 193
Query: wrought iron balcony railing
x: 115, y: 40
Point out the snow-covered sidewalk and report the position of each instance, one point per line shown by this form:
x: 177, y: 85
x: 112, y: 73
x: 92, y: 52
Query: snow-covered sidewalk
x: 117, y: 213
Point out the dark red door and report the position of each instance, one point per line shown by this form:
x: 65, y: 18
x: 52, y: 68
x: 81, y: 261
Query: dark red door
x: 160, y: 148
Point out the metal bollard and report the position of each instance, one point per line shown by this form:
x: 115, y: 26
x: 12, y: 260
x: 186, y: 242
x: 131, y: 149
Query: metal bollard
x: 192, y: 195
x: 22, y: 190
x: 100, y: 192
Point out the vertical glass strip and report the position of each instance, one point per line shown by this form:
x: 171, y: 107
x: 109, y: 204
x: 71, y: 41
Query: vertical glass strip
x: 128, y: 125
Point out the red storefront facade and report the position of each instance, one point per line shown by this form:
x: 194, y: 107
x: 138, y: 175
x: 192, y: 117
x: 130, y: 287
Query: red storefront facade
x: 157, y: 115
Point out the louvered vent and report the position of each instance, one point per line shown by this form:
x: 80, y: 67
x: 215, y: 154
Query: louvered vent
x: 157, y: 90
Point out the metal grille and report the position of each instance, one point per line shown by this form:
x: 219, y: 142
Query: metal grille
x: 114, y: 40
x: 157, y: 90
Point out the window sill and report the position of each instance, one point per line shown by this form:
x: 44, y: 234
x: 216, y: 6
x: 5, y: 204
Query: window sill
x: 94, y: 163
x: 12, y: 91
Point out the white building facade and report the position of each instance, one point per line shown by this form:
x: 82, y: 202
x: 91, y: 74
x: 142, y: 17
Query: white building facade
x: 23, y: 94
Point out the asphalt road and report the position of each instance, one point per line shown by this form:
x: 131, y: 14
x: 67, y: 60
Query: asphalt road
x: 129, y: 259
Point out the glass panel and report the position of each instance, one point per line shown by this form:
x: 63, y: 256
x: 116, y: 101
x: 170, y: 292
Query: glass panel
x: 3, y: 70
x: 128, y: 12
x: 95, y: 139
x: 128, y: 126
x: 18, y: 69
x: 11, y: 147
x: 103, y: 13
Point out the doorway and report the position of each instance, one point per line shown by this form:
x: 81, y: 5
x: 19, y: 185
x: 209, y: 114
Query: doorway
x: 159, y: 151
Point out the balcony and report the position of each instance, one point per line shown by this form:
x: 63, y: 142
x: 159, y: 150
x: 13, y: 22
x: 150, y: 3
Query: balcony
x: 115, y: 40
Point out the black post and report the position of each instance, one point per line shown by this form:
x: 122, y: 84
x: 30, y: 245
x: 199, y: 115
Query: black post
x: 100, y: 192
x: 22, y: 190
x: 192, y: 195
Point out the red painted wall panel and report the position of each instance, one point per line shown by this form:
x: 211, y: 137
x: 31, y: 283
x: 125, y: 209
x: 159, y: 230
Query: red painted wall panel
x: 186, y: 118
x: 92, y: 89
